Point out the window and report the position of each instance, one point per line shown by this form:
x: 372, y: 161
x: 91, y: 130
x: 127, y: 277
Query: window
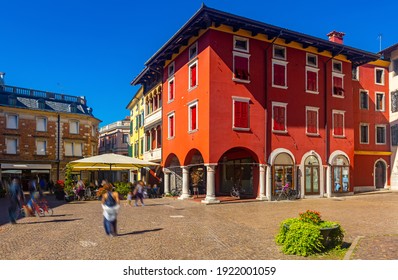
x: 279, y: 117
x: 11, y: 146
x: 73, y: 108
x: 158, y: 136
x: 241, y: 44
x: 73, y: 149
x: 41, y: 104
x: 340, y: 174
x: 171, y: 126
x: 379, y: 76
x: 283, y: 172
x: 193, y: 116
x: 312, y: 60
x: 279, y: 52
x: 279, y: 73
x: 312, y: 120
x: 394, y: 101
x: 136, y: 149
x: 171, y: 69
x: 363, y: 100
x: 125, y: 138
x: 41, y: 124
x: 338, y: 86
x: 148, y: 140
x: 153, y: 139
x: 171, y: 90
x: 394, y: 135
x: 380, y: 101
x: 338, y: 123
x: 395, y: 66
x: 337, y: 66
x: 241, y: 67
x: 12, y: 122
x: 12, y: 100
x: 241, y: 113
x: 142, y: 146
x: 41, y: 147
x: 193, y: 75
x: 364, y: 133
x: 355, y: 73
x: 142, y: 118
x: 312, y: 80
x: 193, y: 51
x: 74, y: 127
x: 380, y: 134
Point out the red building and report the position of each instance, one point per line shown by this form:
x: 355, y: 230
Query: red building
x: 256, y: 106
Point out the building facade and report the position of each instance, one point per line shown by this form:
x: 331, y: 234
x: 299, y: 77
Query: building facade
x: 258, y: 107
x: 40, y: 132
x: 114, y: 138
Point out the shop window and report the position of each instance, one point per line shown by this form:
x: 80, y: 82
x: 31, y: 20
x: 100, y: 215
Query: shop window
x: 283, y: 172
x: 312, y: 176
x: 340, y: 174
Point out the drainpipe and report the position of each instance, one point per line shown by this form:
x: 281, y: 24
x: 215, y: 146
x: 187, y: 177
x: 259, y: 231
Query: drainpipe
x: 58, y: 144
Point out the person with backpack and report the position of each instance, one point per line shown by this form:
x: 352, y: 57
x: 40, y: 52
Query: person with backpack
x: 110, y: 205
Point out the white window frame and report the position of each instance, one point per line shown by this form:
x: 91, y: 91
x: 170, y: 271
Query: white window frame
x: 195, y: 62
x: 313, y: 109
x: 171, y: 114
x: 316, y: 59
x: 383, y: 76
x: 245, y: 55
x: 236, y: 38
x: 279, y: 104
x: 171, y: 69
x: 314, y: 70
x: 168, y: 90
x: 283, y: 63
x: 70, y: 127
x: 16, y: 145
x: 245, y: 100
x: 360, y: 133
x: 385, y: 134
x: 279, y: 47
x: 335, y: 74
x: 16, y: 121
x: 357, y: 74
x: 383, y: 103
x: 194, y: 45
x: 367, y: 96
x: 45, y: 123
x: 190, y: 105
x: 341, y: 113
x: 37, y: 147
x: 336, y: 70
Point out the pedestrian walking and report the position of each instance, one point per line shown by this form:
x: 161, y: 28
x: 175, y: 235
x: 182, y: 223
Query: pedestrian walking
x: 139, y: 193
x: 111, y: 206
x: 130, y: 194
x: 16, y: 199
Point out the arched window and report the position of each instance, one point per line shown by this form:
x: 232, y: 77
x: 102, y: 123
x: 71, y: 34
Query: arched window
x: 159, y: 136
x: 153, y: 136
x: 340, y: 174
x: 283, y: 171
x: 311, y: 180
x: 155, y: 102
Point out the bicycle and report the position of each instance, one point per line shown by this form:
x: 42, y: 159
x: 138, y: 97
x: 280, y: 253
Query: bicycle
x: 235, y: 192
x: 45, y: 208
x: 288, y: 193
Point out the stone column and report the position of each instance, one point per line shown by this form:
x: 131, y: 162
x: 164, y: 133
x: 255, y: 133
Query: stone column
x: 329, y: 181
x: 185, y: 183
x: 166, y: 182
x: 268, y: 183
x: 261, y: 195
x: 210, y: 184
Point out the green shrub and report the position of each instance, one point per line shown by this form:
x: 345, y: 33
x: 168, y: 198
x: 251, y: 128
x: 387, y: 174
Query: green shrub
x: 122, y: 188
x: 303, y: 236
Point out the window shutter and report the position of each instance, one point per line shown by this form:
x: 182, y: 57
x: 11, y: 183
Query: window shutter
x: 171, y: 90
x: 282, y: 116
x: 193, y: 75
x: 171, y: 126
x: 238, y: 114
x: 311, y: 81
x: 279, y: 75
x: 193, y: 117
x: 312, y: 121
x: 244, y: 114
x: 338, y: 124
x: 394, y: 135
x: 241, y: 68
x: 276, y: 118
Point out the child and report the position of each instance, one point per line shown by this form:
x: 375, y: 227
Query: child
x: 130, y: 194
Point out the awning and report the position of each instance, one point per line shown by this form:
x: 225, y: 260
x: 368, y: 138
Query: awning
x: 20, y: 166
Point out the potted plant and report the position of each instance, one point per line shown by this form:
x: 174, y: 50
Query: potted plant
x: 308, y: 234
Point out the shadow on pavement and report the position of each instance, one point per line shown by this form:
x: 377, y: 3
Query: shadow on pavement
x: 140, y: 232
x: 52, y: 221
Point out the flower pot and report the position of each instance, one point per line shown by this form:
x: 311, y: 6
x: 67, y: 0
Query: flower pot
x: 326, y: 233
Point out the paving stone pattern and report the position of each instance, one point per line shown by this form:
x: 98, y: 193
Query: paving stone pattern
x: 167, y: 228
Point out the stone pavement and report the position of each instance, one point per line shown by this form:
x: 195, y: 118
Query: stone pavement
x: 167, y: 228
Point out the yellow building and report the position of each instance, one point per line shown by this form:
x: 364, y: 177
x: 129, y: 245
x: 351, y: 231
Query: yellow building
x: 137, y: 134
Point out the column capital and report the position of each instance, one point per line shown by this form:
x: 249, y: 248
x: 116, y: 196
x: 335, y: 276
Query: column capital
x: 166, y: 170
x: 185, y: 168
x: 211, y: 167
x: 262, y: 167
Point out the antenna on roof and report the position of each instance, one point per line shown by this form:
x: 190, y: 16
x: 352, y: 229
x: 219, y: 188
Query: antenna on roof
x: 379, y: 37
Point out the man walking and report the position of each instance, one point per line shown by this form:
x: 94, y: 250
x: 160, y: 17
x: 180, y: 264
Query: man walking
x: 16, y: 195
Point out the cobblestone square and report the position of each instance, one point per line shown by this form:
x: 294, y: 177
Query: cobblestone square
x: 170, y: 229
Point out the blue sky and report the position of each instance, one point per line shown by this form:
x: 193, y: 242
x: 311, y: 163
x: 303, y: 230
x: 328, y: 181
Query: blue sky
x: 95, y: 48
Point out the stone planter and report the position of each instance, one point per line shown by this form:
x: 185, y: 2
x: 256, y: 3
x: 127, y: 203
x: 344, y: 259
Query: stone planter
x: 326, y: 233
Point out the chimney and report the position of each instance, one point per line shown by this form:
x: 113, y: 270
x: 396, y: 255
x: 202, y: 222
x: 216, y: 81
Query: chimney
x: 2, y: 78
x: 336, y: 37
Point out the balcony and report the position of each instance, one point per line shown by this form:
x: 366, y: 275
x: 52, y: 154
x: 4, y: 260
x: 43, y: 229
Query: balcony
x: 43, y: 94
x: 153, y: 117
x: 153, y: 155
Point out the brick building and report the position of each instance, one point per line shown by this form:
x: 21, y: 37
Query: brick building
x: 40, y: 132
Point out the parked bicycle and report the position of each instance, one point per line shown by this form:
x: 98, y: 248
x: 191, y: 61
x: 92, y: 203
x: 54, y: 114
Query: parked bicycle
x: 235, y: 191
x: 288, y: 193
